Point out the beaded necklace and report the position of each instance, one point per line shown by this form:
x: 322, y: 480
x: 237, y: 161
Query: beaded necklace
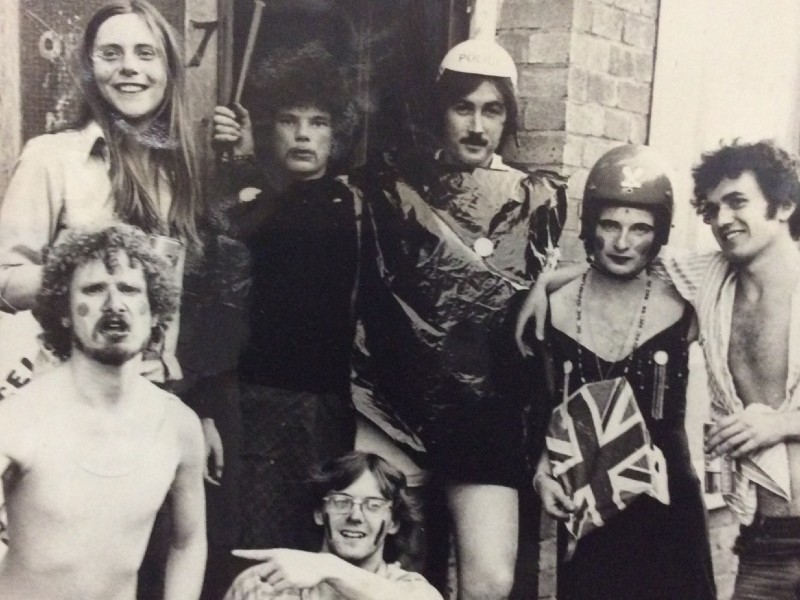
x: 639, y: 327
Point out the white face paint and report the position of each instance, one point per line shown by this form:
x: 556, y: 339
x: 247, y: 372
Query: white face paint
x: 623, y: 238
x: 110, y: 311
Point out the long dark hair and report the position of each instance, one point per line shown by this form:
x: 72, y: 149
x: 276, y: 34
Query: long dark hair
x: 169, y: 136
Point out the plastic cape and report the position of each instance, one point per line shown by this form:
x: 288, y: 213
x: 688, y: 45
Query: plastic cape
x: 436, y: 330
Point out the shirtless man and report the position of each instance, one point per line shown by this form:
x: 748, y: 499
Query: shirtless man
x: 745, y: 297
x: 91, y: 449
x: 749, y: 293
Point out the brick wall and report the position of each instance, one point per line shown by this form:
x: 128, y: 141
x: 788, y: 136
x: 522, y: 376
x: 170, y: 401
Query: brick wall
x: 586, y: 75
x: 585, y: 85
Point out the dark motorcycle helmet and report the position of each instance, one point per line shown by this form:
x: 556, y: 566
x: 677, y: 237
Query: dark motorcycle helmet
x: 631, y: 175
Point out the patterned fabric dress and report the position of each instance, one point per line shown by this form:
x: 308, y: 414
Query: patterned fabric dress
x: 650, y: 551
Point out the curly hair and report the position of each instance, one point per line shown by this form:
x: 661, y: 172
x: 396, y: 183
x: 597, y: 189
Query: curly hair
x: 80, y: 247
x: 775, y: 171
x: 339, y: 473
x: 308, y: 76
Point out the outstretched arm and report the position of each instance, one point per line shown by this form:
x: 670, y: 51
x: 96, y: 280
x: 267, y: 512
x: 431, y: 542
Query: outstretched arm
x: 284, y: 569
x: 187, y: 552
x: 536, y: 303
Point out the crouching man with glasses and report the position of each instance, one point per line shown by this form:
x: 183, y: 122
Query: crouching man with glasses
x: 363, y: 510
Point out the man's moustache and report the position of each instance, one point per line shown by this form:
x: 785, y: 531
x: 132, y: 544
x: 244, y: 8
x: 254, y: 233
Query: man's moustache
x: 113, y: 319
x: 474, y: 140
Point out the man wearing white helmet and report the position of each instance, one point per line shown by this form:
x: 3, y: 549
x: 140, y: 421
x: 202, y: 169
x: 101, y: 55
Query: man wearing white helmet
x: 480, y: 112
x: 458, y: 233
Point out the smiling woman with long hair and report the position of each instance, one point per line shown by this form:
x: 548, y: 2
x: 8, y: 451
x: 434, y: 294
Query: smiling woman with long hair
x: 129, y: 156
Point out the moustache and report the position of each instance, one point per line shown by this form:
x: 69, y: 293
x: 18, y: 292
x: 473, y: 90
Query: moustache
x: 114, y: 322
x: 474, y: 139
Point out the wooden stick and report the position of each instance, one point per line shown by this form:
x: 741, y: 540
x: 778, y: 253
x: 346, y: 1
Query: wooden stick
x: 248, y: 50
x: 225, y: 52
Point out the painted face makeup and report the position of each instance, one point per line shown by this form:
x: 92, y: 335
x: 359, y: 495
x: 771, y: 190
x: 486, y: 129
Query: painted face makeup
x: 110, y: 313
x: 623, y: 239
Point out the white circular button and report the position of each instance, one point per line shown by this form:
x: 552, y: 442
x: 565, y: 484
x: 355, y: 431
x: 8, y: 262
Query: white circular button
x: 483, y: 247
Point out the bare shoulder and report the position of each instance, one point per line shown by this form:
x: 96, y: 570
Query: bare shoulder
x: 185, y: 423
x: 26, y: 416
x: 41, y: 395
x: 666, y: 297
x: 562, y: 306
x: 178, y: 417
x: 666, y: 308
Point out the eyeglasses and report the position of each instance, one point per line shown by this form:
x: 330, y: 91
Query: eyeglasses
x: 343, y: 504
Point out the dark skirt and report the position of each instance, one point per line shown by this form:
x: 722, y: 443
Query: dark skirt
x: 649, y: 551
x: 286, y: 434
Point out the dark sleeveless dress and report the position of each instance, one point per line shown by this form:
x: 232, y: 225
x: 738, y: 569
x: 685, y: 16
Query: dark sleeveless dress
x: 650, y: 551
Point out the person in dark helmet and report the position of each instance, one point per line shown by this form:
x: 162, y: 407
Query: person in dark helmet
x: 743, y: 294
x: 618, y: 320
x: 363, y: 510
x: 457, y: 234
x: 299, y: 224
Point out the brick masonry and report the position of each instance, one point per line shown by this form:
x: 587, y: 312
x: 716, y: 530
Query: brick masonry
x: 586, y: 72
x: 586, y: 79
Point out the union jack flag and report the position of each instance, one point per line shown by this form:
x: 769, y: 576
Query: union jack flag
x: 600, y: 449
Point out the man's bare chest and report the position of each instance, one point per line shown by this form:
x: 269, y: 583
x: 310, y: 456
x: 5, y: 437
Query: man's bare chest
x: 759, y: 349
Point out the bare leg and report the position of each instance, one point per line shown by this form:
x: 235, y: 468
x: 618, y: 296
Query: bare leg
x: 486, y: 520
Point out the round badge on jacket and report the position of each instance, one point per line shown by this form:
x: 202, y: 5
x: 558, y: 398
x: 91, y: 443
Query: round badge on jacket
x: 483, y: 247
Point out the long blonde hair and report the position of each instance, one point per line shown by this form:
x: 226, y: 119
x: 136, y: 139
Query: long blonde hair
x: 169, y: 135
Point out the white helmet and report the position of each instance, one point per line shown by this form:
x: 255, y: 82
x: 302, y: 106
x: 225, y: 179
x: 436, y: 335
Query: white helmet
x: 480, y: 57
